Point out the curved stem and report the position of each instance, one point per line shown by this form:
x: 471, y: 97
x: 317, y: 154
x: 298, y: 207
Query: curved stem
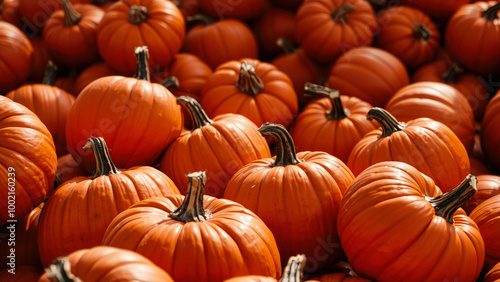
x: 446, y: 204
x: 137, y: 14
x: 170, y: 81
x: 191, y: 208
x: 337, y: 111
x: 49, y: 77
x: 294, y: 269
x: 71, y: 17
x: 103, y: 163
x: 285, y: 45
x: 285, y: 149
x: 60, y: 271
x: 248, y: 81
x: 142, y: 64
x: 451, y: 75
x: 388, y: 122
x: 422, y: 32
x: 491, y: 13
x: 340, y: 15
x: 199, y: 18
x: 198, y: 115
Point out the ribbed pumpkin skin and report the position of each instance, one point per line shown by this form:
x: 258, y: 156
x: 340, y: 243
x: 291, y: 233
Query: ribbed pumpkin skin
x: 277, y: 102
x: 490, y: 135
x: 390, y: 232
x: 62, y: 231
x: 368, y: 73
x: 488, y: 185
x: 138, y: 120
x: 16, y: 57
x: 314, y: 131
x: 233, y: 242
x: 437, y: 101
x: 493, y: 275
x: 27, y: 147
x: 117, y: 37
x: 323, y: 38
x: 103, y: 263
x: 308, y: 192
x: 73, y: 47
x: 51, y: 104
x: 428, y: 145
x: 487, y: 217
x: 251, y: 278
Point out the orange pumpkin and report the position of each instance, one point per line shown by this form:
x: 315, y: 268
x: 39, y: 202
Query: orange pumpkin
x: 487, y: 217
x: 487, y: 187
x: 9, y: 12
x: 242, y: 9
x: 40, y: 59
x: 91, y: 73
x: 490, y: 135
x: 69, y: 168
x: 493, y: 275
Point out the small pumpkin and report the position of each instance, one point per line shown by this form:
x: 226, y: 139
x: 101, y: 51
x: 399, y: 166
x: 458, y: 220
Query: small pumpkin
x: 493, y: 275
x: 69, y: 168
x: 91, y: 73
x: 488, y: 186
x: 203, y: 238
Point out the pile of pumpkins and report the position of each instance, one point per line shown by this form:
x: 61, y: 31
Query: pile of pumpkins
x: 249, y: 140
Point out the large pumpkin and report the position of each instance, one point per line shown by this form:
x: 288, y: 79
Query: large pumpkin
x: 102, y: 264
x: 139, y: 119
x: 98, y: 199
x: 197, y: 237
x: 297, y: 196
x: 333, y: 123
x: 395, y: 224
x: 130, y: 23
x: 490, y: 135
x: 368, y: 73
x: 28, y: 160
x: 428, y: 145
x: 328, y: 28
x: 254, y: 89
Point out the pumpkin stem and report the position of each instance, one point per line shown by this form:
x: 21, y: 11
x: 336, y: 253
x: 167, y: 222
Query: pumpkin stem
x: 491, y: 12
x: 422, y: 32
x: 248, y: 81
x: 191, y: 208
x: 137, y: 14
x: 285, y: 149
x: 294, y: 269
x: 103, y: 164
x: 340, y: 15
x: 71, y: 17
x: 388, y: 122
x: 446, y: 204
x: 198, y: 115
x: 60, y: 271
x: 337, y: 111
x: 142, y: 63
x: 49, y: 77
x: 285, y: 45
x: 199, y: 18
x: 170, y: 81
x: 451, y: 75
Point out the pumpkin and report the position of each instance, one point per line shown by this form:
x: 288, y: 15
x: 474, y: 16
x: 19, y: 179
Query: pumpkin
x: 16, y: 57
x: 103, y: 263
x: 328, y: 28
x: 489, y: 134
x: 40, y: 59
x: 332, y: 123
x: 22, y: 273
x: 437, y: 101
x: 306, y: 187
x: 67, y: 82
x: 130, y: 23
x: 70, y: 35
x: 493, y: 275
x: 368, y: 73
x: 487, y: 187
x: 220, y: 147
x: 395, y: 224
x: 469, y: 84
x: 487, y: 217
x: 27, y: 160
x: 254, y: 89
x: 98, y: 199
x: 439, y: 10
x: 187, y: 7
x: 428, y: 145
x: 241, y: 9
x: 341, y: 271
x: 91, y: 73
x: 9, y: 12
x: 197, y: 237
x: 114, y: 107
x: 409, y: 34
x: 50, y: 103
x: 477, y: 167
x: 69, y: 168
x: 469, y: 21
x: 216, y: 42
x: 300, y: 68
